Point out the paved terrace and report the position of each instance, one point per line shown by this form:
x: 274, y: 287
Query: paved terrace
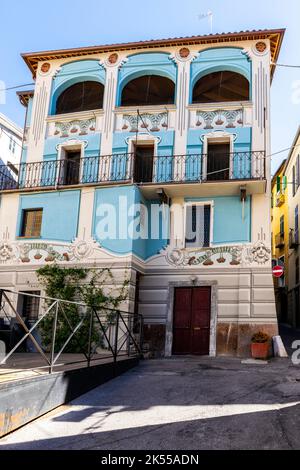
x: 183, y: 403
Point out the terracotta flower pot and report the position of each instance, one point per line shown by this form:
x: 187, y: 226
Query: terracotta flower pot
x: 260, y: 350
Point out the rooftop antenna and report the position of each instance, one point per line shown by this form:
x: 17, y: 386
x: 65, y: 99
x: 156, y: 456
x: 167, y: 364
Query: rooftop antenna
x: 208, y: 15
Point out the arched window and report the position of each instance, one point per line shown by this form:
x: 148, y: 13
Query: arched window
x: 220, y: 87
x: 82, y: 96
x: 148, y: 90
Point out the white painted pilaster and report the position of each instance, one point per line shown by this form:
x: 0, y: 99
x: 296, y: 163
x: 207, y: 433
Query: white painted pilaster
x: 109, y: 103
x: 40, y: 110
x: 182, y: 101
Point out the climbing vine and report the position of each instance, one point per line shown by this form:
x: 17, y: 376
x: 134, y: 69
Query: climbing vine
x: 91, y: 287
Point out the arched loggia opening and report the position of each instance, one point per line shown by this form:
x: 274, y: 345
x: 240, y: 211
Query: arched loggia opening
x: 83, y: 96
x: 148, y: 90
x: 221, y: 86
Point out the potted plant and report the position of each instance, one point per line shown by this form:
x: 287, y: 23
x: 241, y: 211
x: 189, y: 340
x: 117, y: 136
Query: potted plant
x: 260, y: 345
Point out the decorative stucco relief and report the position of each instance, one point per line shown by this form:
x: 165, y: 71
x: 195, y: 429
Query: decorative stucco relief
x: 39, y: 252
x: 246, y: 255
x: 230, y: 119
x: 152, y: 122
x: 78, y: 127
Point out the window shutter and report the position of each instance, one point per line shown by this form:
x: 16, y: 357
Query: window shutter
x: 294, y: 181
x: 198, y: 226
x: 284, y: 183
x: 278, y: 184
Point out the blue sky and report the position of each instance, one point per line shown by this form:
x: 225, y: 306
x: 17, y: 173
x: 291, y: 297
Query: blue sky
x: 26, y: 27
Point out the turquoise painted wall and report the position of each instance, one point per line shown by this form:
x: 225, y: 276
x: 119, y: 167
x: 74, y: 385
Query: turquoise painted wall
x: 218, y: 59
x: 148, y: 63
x: 75, y: 72
x: 119, y: 239
x: 231, y: 229
x: 60, y: 213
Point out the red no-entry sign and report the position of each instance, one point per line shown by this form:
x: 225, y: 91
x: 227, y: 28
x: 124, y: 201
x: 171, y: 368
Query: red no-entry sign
x: 278, y: 271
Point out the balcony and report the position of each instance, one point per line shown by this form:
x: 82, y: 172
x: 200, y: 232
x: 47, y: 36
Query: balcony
x: 279, y: 240
x: 149, y: 172
x: 294, y: 239
x: 280, y: 199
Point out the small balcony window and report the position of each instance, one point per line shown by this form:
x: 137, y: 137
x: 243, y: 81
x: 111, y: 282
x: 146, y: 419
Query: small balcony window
x: 31, y: 223
x: 218, y: 161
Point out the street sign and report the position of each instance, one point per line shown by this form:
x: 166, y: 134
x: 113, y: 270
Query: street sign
x: 278, y: 271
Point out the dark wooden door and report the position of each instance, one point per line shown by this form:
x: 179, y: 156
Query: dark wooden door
x: 218, y: 162
x: 72, y: 168
x: 143, y: 164
x: 191, y: 324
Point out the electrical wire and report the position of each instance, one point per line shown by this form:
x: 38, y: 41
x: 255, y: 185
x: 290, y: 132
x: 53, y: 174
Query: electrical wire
x: 286, y: 65
x: 17, y: 86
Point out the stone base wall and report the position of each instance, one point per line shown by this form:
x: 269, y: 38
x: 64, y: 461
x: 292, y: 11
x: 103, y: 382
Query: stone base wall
x: 154, y: 340
x: 234, y: 339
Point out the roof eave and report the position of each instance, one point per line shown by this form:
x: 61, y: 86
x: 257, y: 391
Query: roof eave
x: 32, y: 59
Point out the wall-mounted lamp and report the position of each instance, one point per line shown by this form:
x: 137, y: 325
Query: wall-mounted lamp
x: 163, y: 198
x: 193, y: 279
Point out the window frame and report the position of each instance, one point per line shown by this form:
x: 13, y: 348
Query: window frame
x: 151, y: 76
x: 211, y: 222
x: 281, y: 225
x: 22, y: 226
x: 63, y: 91
x: 296, y: 222
x: 206, y: 77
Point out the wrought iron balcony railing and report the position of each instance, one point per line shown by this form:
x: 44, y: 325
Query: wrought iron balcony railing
x: 279, y: 240
x: 294, y: 240
x: 127, y: 167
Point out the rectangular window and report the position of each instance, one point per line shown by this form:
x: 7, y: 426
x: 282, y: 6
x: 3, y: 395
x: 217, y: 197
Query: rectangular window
x: 12, y: 145
x: 282, y: 226
x: 294, y: 181
x: 296, y: 224
x: 30, y: 305
x: 298, y: 172
x: 32, y: 223
x: 198, y: 226
x: 218, y: 162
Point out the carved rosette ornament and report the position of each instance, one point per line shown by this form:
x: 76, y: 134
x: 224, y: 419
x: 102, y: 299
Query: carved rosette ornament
x: 261, y: 47
x: 6, y: 252
x: 82, y: 249
x: 260, y: 254
x: 184, y: 52
x: 113, y: 58
x: 177, y: 257
x: 45, y: 67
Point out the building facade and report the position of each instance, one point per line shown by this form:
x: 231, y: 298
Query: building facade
x: 11, y: 137
x: 152, y: 158
x: 280, y: 239
x: 292, y: 174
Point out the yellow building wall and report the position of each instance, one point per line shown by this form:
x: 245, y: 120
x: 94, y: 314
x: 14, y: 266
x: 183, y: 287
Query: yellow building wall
x: 279, y: 209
